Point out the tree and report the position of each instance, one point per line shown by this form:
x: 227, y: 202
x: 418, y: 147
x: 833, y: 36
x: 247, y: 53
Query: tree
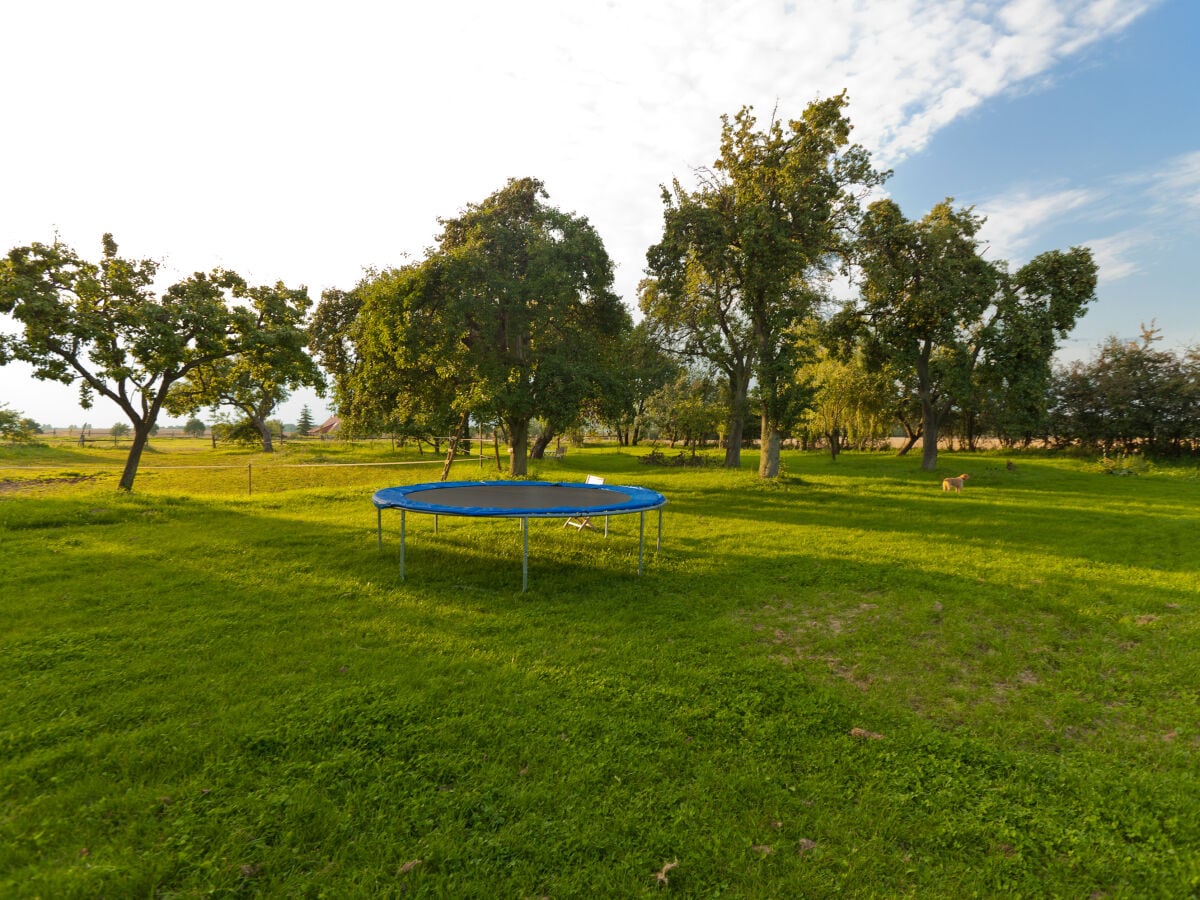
x: 924, y: 292
x: 100, y: 325
x: 194, y: 428
x: 15, y: 428
x: 305, y: 423
x: 851, y: 405
x: 932, y: 308
x: 257, y: 381
x: 743, y: 258
x: 642, y: 367
x: 688, y: 408
x: 1132, y: 396
x: 1037, y: 307
x: 119, y: 430
x: 508, y: 315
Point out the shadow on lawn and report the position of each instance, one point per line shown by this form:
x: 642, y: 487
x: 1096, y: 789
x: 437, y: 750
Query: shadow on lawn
x: 1126, y: 530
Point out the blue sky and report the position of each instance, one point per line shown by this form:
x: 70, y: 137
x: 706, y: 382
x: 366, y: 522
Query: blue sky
x: 306, y: 142
x: 1114, y: 134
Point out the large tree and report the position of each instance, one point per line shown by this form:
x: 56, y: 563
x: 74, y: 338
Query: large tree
x: 508, y: 315
x: 925, y: 289
x: 741, y: 259
x: 100, y: 325
x: 257, y: 381
x: 933, y: 309
x: 1037, y: 307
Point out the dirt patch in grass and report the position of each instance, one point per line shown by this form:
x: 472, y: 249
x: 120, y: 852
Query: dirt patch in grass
x: 16, y: 486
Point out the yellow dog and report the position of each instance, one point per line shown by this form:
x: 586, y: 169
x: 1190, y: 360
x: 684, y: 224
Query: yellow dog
x: 954, y: 484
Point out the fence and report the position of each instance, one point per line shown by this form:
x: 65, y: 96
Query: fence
x: 264, y: 476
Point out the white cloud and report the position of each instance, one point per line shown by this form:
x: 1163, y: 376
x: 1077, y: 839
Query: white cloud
x: 1115, y: 254
x: 1177, y: 184
x: 1015, y: 220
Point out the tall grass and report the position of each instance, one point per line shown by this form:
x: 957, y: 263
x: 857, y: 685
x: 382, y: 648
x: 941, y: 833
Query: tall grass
x: 845, y: 683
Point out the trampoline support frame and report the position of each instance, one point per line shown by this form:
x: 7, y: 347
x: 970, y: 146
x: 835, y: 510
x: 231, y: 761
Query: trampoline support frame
x: 524, y: 540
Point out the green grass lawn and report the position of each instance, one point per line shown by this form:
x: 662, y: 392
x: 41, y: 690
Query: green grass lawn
x: 844, y: 684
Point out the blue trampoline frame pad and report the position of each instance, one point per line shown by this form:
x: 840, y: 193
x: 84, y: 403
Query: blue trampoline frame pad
x: 522, y: 500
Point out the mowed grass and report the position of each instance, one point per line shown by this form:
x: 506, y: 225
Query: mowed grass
x: 846, y: 683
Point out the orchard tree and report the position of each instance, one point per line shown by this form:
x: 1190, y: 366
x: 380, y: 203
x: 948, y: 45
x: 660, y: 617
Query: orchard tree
x: 925, y: 290
x: 743, y: 258
x: 101, y: 326
x: 508, y: 316
x: 16, y: 428
x: 933, y: 308
x: 1038, y: 306
x: 332, y: 338
x: 1132, y: 395
x: 687, y: 408
x: 851, y: 404
x: 255, y: 382
x: 642, y: 367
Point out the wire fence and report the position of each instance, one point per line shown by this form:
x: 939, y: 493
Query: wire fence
x: 261, y: 477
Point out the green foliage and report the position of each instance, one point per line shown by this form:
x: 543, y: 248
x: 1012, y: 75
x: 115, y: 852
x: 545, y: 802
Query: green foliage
x: 15, y: 427
x: 257, y: 380
x: 100, y: 325
x: 640, y: 367
x: 1131, y: 396
x: 1038, y: 306
x: 687, y: 409
x: 743, y: 259
x: 194, y: 428
x: 511, y: 315
x: 119, y: 430
x: 851, y: 405
x: 959, y: 328
x: 305, y: 423
x: 926, y: 288
x: 841, y: 683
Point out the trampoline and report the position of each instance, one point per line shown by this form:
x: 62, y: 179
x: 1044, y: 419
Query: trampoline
x: 522, y: 500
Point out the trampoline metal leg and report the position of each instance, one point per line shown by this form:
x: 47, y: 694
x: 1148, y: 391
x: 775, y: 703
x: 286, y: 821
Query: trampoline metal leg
x: 402, y: 545
x: 435, y: 518
x: 524, y: 554
x: 641, y: 537
x: 379, y: 527
x: 658, y: 543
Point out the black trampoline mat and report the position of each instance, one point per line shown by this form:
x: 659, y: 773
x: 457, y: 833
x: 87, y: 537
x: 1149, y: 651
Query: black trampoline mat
x: 521, y: 496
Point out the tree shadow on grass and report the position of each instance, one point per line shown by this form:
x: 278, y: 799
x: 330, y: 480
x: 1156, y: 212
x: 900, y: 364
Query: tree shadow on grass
x: 258, y: 689
x: 1126, y: 531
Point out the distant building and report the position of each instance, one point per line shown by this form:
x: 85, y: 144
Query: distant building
x: 329, y: 426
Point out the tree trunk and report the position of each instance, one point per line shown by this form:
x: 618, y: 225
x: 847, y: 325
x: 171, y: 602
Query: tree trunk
x: 768, y: 458
x: 264, y: 432
x: 929, y: 416
x: 929, y: 447
x: 518, y: 432
x: 141, y: 436
x: 737, y: 416
x: 834, y: 447
x: 540, y: 444
x: 454, y: 439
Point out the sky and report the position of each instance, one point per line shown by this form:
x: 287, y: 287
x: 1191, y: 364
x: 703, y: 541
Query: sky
x: 308, y: 142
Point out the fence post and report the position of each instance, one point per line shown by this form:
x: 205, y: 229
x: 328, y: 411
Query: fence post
x: 250, y: 479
